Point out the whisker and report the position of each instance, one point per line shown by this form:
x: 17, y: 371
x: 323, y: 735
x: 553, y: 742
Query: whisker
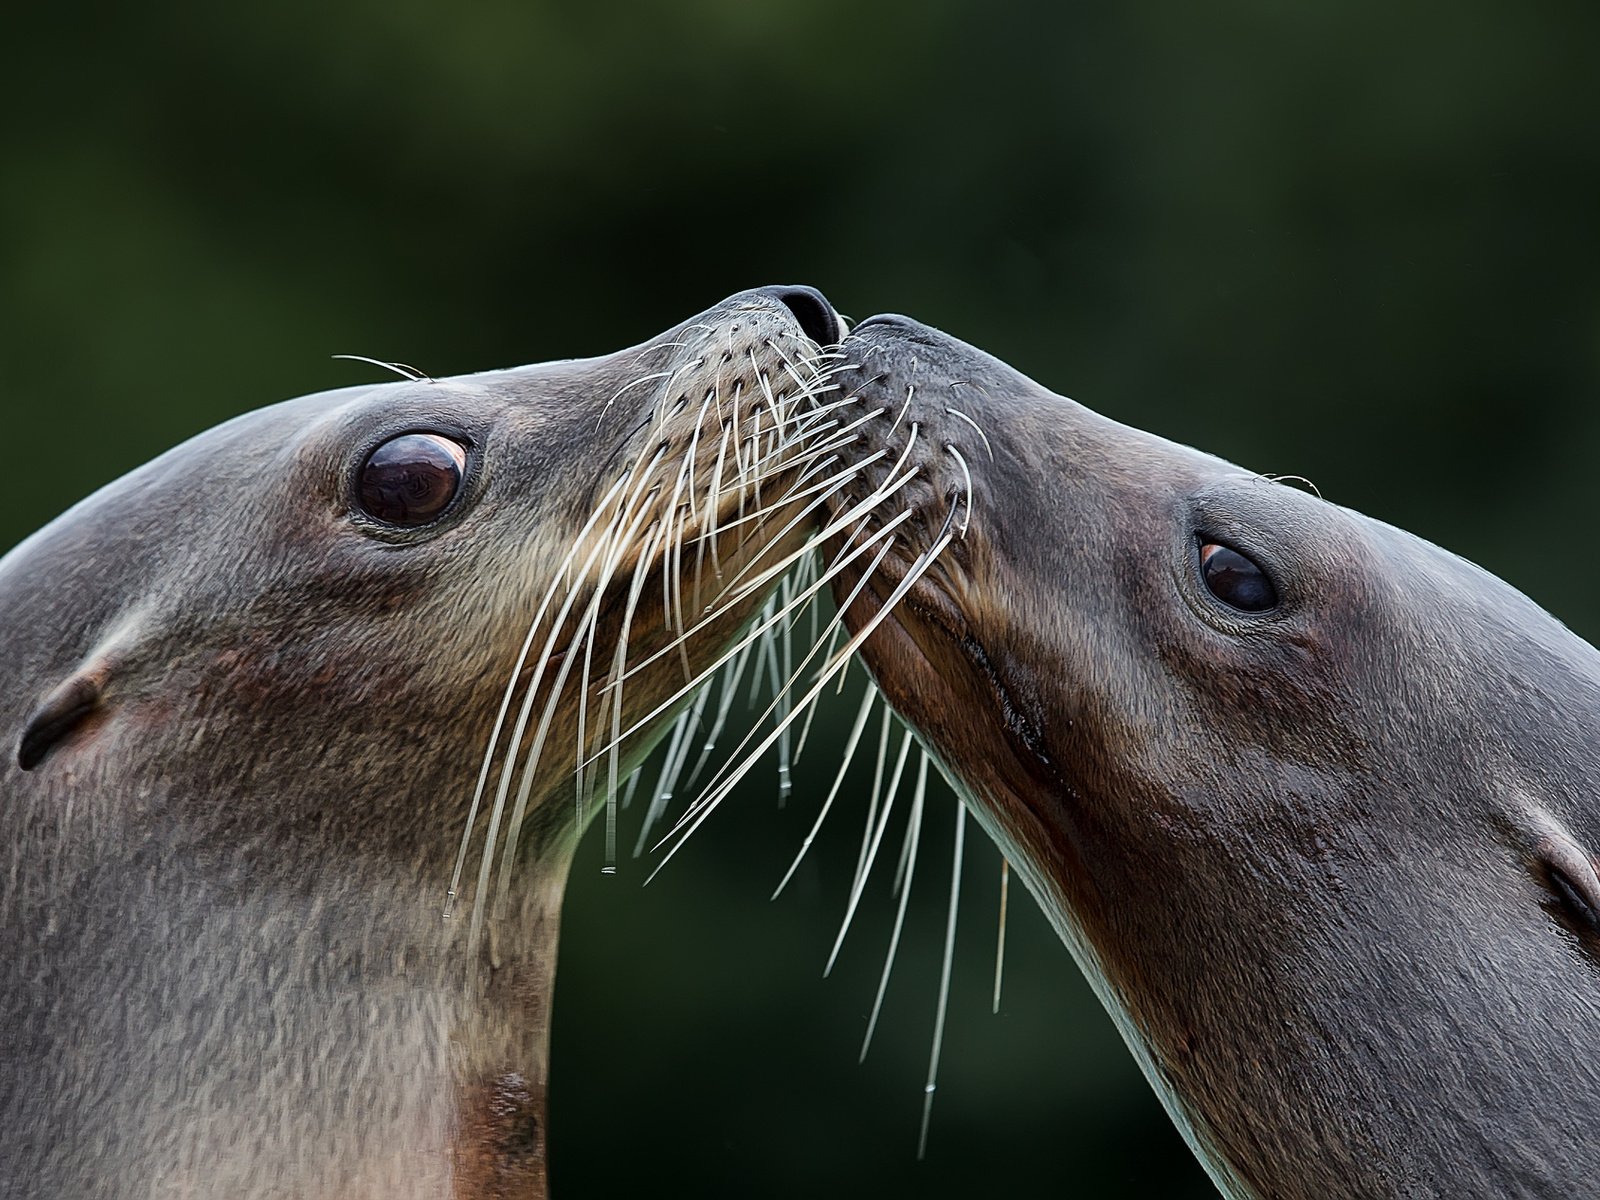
x: 586, y: 634
x: 763, y: 621
x: 1000, y: 939
x: 532, y: 759
x: 868, y: 698
x: 516, y: 671
x: 865, y: 868
x: 675, y: 554
x: 739, y: 466
x: 966, y: 517
x: 728, y: 687
x: 875, y: 796
x: 694, y: 457
x: 834, y: 526
x: 944, y: 980
x: 401, y: 369
x: 634, y: 777
x: 668, y: 595
x: 713, y: 496
x: 803, y: 579
x: 766, y: 654
x: 913, y: 834
x: 727, y: 778
x: 829, y: 484
x: 719, y: 783
x: 619, y: 664
x: 628, y: 387
x: 682, y: 728
x: 957, y: 413
x: 786, y: 652
x: 710, y: 801
x: 661, y: 411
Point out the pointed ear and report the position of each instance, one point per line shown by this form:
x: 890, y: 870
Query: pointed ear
x: 63, y: 710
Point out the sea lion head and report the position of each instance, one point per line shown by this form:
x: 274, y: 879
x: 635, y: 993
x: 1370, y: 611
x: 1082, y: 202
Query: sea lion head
x: 1310, y: 798
x: 268, y: 695
x: 346, y: 578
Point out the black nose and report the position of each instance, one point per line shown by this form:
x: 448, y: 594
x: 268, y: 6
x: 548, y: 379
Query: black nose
x: 810, y: 307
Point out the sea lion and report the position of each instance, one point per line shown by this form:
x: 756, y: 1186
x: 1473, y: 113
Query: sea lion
x: 1311, y: 800
x: 247, y: 691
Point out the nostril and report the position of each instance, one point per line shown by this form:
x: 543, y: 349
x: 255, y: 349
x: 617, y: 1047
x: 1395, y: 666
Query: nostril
x: 817, y: 319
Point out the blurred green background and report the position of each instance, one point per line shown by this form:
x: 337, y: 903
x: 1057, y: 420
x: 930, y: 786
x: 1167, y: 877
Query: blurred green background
x: 1353, y: 241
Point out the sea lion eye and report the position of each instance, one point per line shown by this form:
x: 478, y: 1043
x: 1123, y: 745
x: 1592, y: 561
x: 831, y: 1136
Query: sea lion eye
x: 411, y: 479
x: 1234, y: 579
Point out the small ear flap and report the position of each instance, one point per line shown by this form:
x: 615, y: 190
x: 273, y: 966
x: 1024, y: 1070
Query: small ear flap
x: 63, y: 710
x: 1573, y: 878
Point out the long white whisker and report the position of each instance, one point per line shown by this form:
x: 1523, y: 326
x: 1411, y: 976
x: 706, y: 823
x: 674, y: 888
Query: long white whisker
x: 669, y: 512
x: 913, y: 835
x: 739, y: 467
x: 662, y: 795
x: 675, y: 554
x: 944, y: 980
x: 516, y: 671
x: 406, y: 372
x: 756, y: 455
x: 1000, y: 939
x: 911, y: 390
x: 786, y: 653
x: 803, y: 577
x: 709, y: 804
x: 713, y: 502
x: 586, y: 634
x: 694, y: 456
x: 585, y: 778
x: 763, y: 622
x: 717, y: 781
x: 871, y: 856
x: 732, y: 673
x: 833, y: 527
x: 525, y: 789
x: 641, y: 572
x: 966, y: 517
x: 634, y: 777
x: 889, y: 487
x: 829, y: 484
x: 726, y: 778
x: 766, y: 654
x: 869, y: 697
x: 880, y: 765
x: 956, y: 412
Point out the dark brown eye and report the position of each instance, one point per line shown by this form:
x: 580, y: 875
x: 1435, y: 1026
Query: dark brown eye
x: 1235, y: 580
x: 411, y: 479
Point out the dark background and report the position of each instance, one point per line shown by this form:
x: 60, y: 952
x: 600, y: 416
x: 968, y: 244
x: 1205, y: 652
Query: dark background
x: 1353, y: 241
